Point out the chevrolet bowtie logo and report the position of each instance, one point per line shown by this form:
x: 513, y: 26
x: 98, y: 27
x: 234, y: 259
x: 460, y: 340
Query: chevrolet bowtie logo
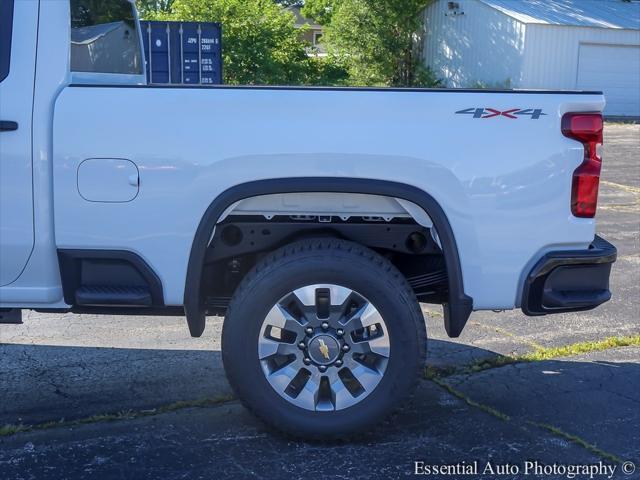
x: 324, y: 350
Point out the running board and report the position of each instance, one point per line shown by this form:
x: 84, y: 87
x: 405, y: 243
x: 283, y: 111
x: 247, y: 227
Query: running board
x: 11, y: 315
x: 100, y: 295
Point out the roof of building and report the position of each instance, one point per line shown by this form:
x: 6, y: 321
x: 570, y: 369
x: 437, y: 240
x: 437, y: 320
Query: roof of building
x: 623, y: 14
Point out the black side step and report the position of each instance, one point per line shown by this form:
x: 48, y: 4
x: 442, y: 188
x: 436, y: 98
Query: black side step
x: 11, y: 315
x: 113, y: 295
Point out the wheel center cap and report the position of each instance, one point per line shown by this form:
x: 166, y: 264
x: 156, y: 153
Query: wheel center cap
x: 324, y: 349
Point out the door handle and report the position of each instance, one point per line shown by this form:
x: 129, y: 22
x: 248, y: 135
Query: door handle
x: 8, y: 126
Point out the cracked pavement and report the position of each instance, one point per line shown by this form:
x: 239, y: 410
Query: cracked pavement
x: 76, y: 366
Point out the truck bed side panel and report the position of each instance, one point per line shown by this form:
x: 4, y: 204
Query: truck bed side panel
x: 503, y: 182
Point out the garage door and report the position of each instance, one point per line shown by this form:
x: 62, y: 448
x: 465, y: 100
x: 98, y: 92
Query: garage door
x: 614, y: 69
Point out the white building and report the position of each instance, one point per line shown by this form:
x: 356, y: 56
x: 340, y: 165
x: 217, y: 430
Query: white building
x: 549, y: 44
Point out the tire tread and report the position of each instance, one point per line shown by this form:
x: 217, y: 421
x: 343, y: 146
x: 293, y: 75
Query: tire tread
x: 384, y: 266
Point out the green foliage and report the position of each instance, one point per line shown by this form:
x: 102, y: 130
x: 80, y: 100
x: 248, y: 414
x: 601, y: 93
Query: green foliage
x: 288, y: 3
x: 380, y: 43
x: 11, y: 429
x: 148, y: 8
x: 320, y: 10
x: 92, y: 12
x: 539, y: 354
x: 370, y: 42
x: 326, y: 71
x: 260, y: 42
x: 152, y: 7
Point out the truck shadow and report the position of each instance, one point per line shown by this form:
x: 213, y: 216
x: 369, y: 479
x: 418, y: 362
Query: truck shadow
x: 46, y: 383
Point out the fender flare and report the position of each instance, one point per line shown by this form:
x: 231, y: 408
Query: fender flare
x: 456, y: 311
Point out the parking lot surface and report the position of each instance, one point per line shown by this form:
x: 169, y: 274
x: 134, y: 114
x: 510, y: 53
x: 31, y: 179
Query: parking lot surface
x: 136, y: 397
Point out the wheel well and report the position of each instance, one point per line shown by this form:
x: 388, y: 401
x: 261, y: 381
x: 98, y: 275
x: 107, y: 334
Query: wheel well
x: 239, y: 242
x: 420, y: 210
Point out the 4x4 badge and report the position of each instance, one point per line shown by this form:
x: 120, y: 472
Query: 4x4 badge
x: 513, y: 113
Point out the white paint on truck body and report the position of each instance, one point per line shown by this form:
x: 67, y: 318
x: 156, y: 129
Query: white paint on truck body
x: 16, y: 190
x: 503, y: 183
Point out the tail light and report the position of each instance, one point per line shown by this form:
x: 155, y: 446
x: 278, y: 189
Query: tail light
x: 586, y: 128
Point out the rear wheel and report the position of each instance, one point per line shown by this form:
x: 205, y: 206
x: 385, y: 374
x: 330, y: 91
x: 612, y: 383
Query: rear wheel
x: 323, y: 339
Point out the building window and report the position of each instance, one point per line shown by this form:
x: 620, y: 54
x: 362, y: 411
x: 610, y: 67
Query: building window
x: 104, y: 38
x: 317, y: 37
x: 6, y: 24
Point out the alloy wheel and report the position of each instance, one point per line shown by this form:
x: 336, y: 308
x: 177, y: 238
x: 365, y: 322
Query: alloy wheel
x: 324, y: 347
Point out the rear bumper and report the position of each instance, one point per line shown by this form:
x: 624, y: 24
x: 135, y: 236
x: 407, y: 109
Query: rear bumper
x: 570, y: 281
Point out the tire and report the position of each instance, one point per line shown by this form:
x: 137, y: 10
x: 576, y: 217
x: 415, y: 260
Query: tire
x: 339, y: 408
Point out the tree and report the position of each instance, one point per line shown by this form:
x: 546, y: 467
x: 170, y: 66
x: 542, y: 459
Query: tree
x: 260, y: 42
x: 288, y: 3
x: 379, y: 42
x: 147, y: 8
x: 92, y: 12
x: 320, y: 10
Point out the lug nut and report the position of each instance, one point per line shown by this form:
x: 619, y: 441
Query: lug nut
x: 302, y: 345
x: 325, y: 325
x: 309, y: 330
x: 346, y: 348
x: 306, y: 360
x: 338, y: 363
x: 322, y: 368
x: 340, y: 332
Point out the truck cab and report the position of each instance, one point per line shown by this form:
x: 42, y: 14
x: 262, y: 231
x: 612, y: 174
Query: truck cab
x: 72, y: 49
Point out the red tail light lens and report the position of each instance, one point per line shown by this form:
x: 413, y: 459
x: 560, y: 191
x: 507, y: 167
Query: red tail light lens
x: 586, y: 128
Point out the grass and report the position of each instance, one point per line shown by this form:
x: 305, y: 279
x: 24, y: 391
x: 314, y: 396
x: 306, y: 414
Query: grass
x: 577, y: 440
x: 504, y: 417
x: 457, y: 393
x: 627, y: 188
x: 558, y: 432
x: 432, y: 313
x: 620, y: 121
x: 435, y: 374
x: 539, y: 354
x: 507, y: 333
x: 11, y: 429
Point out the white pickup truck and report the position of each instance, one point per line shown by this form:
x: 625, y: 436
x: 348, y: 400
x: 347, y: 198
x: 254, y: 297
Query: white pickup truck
x: 316, y: 242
